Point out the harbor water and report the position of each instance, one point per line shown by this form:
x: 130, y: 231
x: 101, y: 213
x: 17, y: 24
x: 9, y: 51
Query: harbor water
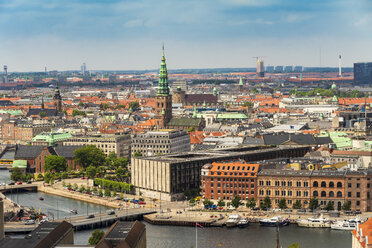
x: 177, y: 236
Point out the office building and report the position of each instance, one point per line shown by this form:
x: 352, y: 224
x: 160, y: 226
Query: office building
x: 363, y: 73
x: 161, y: 142
x: 118, y: 143
x: 260, y: 68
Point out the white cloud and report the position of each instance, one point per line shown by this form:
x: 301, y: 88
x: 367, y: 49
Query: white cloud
x: 249, y: 2
x: 256, y: 21
x: 366, y: 19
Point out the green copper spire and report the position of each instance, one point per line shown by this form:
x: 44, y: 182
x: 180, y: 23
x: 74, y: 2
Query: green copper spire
x: 194, y: 115
x: 163, y: 111
x: 215, y: 91
x: 163, y: 89
x: 204, y: 104
x: 240, y: 81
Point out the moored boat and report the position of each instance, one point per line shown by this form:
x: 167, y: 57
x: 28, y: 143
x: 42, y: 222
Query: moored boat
x: 315, y: 222
x: 344, y: 225
x: 274, y: 221
x: 243, y: 222
x: 233, y: 220
x: 74, y: 211
x: 41, y: 198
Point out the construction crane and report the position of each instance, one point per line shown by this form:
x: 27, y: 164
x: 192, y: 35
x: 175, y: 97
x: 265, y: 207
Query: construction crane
x: 260, y: 69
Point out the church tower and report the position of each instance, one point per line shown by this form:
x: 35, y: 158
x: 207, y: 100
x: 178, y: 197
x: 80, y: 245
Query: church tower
x: 163, y: 110
x: 57, y: 99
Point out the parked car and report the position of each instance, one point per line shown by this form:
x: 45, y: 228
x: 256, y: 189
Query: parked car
x: 91, y: 216
x: 19, y: 183
x: 141, y: 203
x: 111, y: 212
x: 11, y: 183
x: 255, y: 208
x: 301, y: 210
x: 29, y: 182
x: 117, y: 198
x: 357, y: 212
x: 30, y: 222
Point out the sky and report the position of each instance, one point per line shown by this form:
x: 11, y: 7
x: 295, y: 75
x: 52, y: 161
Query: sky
x: 128, y: 35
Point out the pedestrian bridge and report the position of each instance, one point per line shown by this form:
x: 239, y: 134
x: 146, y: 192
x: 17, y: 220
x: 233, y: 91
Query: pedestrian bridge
x: 18, y: 188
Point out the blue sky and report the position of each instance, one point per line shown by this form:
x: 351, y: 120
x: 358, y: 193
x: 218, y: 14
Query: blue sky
x: 126, y: 35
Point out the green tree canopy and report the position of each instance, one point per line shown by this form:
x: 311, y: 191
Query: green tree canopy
x: 55, y: 163
x: 91, y: 171
x: 266, y: 204
x: 48, y: 177
x: 251, y: 203
x: 16, y: 174
x: 89, y: 155
x: 294, y: 245
x: 76, y: 112
x: 313, y: 204
x: 95, y: 237
x: 221, y: 203
x: 134, y: 105
x: 346, y: 206
x: 236, y: 202
x: 137, y: 154
x: 297, y: 205
x: 42, y: 114
x: 282, y: 204
x: 330, y: 206
x: 207, y: 202
x: 247, y: 104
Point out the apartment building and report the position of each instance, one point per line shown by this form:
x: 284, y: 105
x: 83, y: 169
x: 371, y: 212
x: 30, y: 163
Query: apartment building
x: 118, y: 143
x: 228, y: 179
x: 161, y: 142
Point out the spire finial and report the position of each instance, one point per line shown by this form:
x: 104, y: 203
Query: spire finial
x: 163, y: 48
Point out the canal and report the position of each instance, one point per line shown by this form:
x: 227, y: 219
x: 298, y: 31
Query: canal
x: 170, y: 236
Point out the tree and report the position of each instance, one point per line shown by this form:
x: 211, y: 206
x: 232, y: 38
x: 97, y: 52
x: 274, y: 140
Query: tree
x: 81, y: 104
x: 122, y: 174
x: 76, y: 112
x: 91, y: 171
x: 134, y: 105
x: 236, y: 202
x: 297, y: 205
x: 89, y: 155
x: 251, y: 203
x: 221, y: 203
x: 101, y: 170
x: 105, y: 106
x: 16, y: 174
x: 64, y: 175
x: 282, y: 204
x: 330, y: 206
x: 294, y: 245
x: 346, y: 206
x: 191, y: 129
x: 55, y: 163
x: 95, y: 237
x: 247, y: 104
x: 75, y: 187
x: 100, y: 192
x: 266, y: 204
x: 107, y: 192
x: 48, y: 177
x: 207, y: 202
x: 137, y: 154
x: 313, y: 204
x: 82, y: 188
x: 42, y: 114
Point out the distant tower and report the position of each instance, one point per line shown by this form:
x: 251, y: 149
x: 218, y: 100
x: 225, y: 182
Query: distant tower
x: 339, y: 66
x: 6, y: 74
x: 46, y: 73
x: 83, y: 69
x: 240, y: 84
x: 260, y: 71
x: 163, y: 109
x: 57, y: 99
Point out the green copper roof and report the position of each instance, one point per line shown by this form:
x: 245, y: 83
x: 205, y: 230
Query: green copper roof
x: 215, y: 91
x: 334, y: 86
x: 163, y: 89
x: 240, y: 81
x: 232, y: 116
x: 11, y: 112
x: 339, y: 138
x: 22, y: 164
x: 51, y: 137
x: 194, y: 115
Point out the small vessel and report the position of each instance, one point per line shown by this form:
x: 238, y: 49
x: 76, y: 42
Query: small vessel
x: 233, y: 220
x: 315, y: 222
x: 243, y: 222
x: 41, y: 198
x: 74, y: 211
x: 277, y: 220
x: 344, y: 225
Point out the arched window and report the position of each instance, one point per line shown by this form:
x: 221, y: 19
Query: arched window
x: 315, y: 184
x: 323, y: 194
x: 339, y: 185
x: 315, y: 193
x: 331, y: 194
x: 339, y: 194
x: 331, y: 184
x: 323, y: 184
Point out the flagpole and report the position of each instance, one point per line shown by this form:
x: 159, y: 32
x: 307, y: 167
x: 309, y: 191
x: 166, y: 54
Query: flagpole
x: 196, y: 235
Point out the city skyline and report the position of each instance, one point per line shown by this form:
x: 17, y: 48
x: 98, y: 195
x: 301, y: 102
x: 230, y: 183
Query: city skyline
x: 124, y: 35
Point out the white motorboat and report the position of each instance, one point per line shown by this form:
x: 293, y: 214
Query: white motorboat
x: 277, y: 220
x: 315, y: 222
x: 243, y: 222
x: 344, y: 225
x: 233, y: 220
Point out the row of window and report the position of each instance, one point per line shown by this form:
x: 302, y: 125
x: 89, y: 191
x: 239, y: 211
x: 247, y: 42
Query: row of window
x: 235, y: 192
x: 330, y: 194
x: 233, y: 173
x: 323, y: 184
x: 237, y: 168
x: 232, y: 180
x: 284, y: 193
x: 232, y: 185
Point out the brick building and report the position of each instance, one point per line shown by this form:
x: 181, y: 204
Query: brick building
x: 358, y: 189
x: 280, y: 184
x: 228, y: 179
